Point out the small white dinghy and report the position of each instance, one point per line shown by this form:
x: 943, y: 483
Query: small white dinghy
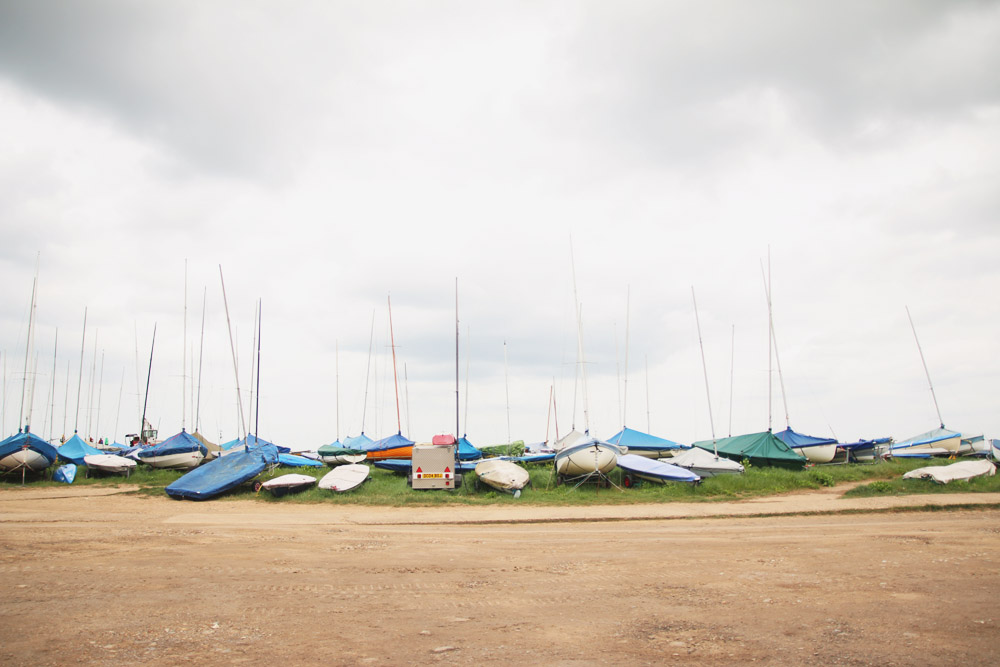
x: 289, y: 483
x: 502, y: 475
x: 111, y: 464
x: 635, y: 467
x: 706, y: 464
x: 344, y: 477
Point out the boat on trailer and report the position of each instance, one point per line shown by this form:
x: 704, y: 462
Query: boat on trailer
x: 635, y: 467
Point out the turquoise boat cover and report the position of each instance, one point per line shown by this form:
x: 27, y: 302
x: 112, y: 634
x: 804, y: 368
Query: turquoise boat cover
x: 466, y: 450
x: 637, y: 440
x: 224, y: 473
x: 181, y: 443
x: 761, y: 449
x: 28, y: 440
x: 799, y: 440
x: 74, y: 449
x: 361, y: 442
x: 65, y: 474
x: 293, y: 461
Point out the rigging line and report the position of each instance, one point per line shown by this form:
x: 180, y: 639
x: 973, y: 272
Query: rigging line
x: 201, y: 356
x: 774, y: 338
x: 149, y: 373
x: 468, y: 359
x: 27, y: 351
x: 704, y: 368
x: 55, y: 356
x: 79, y: 382
x: 253, y: 361
x: 506, y: 382
x: 395, y: 376
x: 118, y: 414
x: 732, y: 361
x: 184, y: 352
x: 368, y: 372
x: 458, y: 404
x: 232, y: 349
x: 65, y: 401
x: 256, y: 428
x: 93, y: 379
x: 618, y: 382
x: 337, y: 383
x: 924, y: 362
x: 628, y: 305
x: 649, y: 428
x: 100, y: 392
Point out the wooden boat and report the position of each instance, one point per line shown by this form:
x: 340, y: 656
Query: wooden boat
x: 637, y: 467
x: 108, y: 463
x: 344, y: 478
x: 590, y: 458
x: 290, y: 483
x: 502, y: 475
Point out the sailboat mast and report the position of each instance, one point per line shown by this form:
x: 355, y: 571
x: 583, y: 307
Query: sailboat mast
x: 55, y: 355
x: 201, y: 356
x: 27, y: 346
x: 395, y: 377
x: 924, y: 362
x: 100, y: 392
x: 337, y: 383
x: 774, y: 340
x: 704, y: 368
x: 368, y: 372
x: 458, y: 423
x: 732, y: 361
x: 184, y: 352
x: 256, y: 427
x: 649, y: 427
x: 118, y: 413
x: 149, y: 373
x: 628, y: 299
x: 506, y: 384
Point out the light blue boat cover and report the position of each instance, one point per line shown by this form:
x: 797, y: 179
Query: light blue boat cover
x: 74, y: 449
x: 640, y: 441
x: 800, y: 440
x: 667, y: 472
x: 362, y: 442
x: 397, y: 440
x: 65, y: 474
x: 224, y: 473
x: 181, y: 443
x: 27, y: 439
x: 293, y: 461
x: 466, y: 450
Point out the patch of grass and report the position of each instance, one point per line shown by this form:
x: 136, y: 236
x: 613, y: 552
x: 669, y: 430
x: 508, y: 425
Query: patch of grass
x: 384, y: 488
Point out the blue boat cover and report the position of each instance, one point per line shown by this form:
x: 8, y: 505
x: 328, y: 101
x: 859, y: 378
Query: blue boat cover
x: 667, y: 472
x: 229, y: 445
x: 224, y: 473
x: 865, y: 444
x: 294, y: 461
x: 362, y: 442
x: 181, y: 443
x: 29, y: 440
x: 638, y: 440
x: 466, y: 450
x: 74, y: 449
x: 65, y: 474
x: 393, y: 441
x: 800, y: 440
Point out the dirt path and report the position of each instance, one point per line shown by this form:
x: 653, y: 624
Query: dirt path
x: 104, y: 578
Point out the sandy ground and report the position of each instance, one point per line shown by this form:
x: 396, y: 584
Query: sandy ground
x: 96, y: 577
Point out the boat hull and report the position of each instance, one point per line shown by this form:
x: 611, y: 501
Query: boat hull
x: 109, y: 463
x: 344, y: 478
x: 589, y: 460
x: 342, y: 459
x: 24, y: 458
x: 181, y: 461
x: 402, y: 452
x: 817, y: 453
x: 502, y: 475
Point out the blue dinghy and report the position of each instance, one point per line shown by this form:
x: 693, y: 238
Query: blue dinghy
x: 641, y: 467
x: 224, y: 473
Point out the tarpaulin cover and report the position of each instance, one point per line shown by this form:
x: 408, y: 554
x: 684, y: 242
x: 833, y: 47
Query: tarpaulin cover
x: 337, y: 450
x: 467, y: 451
x: 762, y: 449
x: 866, y: 444
x: 224, y: 473
x: 21, y: 440
x: 800, y: 440
x: 361, y: 442
x: 294, y: 461
x: 647, y: 467
x: 181, y: 443
x: 74, y: 449
x: 963, y: 470
x: 65, y: 474
x: 393, y: 441
x: 637, y: 440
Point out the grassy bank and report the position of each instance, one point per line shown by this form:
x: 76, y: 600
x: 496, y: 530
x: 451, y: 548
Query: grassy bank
x: 387, y: 489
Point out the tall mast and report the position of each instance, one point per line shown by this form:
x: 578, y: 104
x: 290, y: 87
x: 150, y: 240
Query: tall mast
x: 704, y: 369
x: 100, y: 391
x: 149, y: 373
x: 65, y: 403
x: 79, y: 382
x: 628, y: 300
x: 924, y: 362
x: 337, y: 385
x: 732, y: 361
x: 253, y: 362
x: 468, y: 357
x: 774, y: 340
x: 395, y: 377
x: 506, y: 383
x: 649, y: 428
x: 368, y: 373
x: 27, y: 350
x: 458, y: 424
x: 118, y: 413
x: 184, y: 352
x: 55, y: 355
x: 256, y: 427
x: 93, y: 379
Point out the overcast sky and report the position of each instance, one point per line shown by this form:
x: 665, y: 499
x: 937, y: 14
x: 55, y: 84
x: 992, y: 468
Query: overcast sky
x: 328, y: 155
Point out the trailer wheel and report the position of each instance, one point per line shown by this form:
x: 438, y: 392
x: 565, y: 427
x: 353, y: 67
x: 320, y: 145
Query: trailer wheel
x: 628, y: 482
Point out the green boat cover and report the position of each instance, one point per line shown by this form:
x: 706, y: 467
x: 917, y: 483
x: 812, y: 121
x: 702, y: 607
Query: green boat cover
x: 761, y: 449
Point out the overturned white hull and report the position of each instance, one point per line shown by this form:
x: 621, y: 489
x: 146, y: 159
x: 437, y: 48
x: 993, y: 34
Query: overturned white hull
x: 503, y: 476
x: 818, y: 453
x: 706, y: 464
x: 25, y: 458
x: 182, y: 461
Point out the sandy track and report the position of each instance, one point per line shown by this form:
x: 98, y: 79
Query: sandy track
x: 109, y: 579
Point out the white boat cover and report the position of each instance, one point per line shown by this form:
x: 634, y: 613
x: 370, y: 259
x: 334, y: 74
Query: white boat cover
x: 963, y: 470
x: 696, y: 457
